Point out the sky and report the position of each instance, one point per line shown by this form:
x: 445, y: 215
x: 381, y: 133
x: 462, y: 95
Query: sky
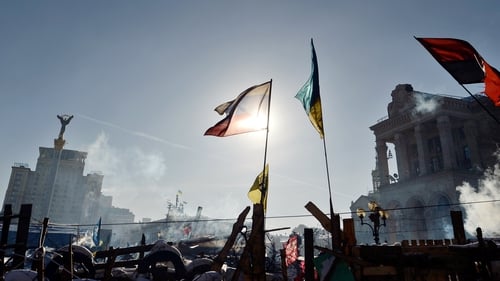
x: 142, y: 79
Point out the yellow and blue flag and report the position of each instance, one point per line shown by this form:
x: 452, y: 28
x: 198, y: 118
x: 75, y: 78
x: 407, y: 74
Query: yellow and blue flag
x: 96, y: 233
x: 310, y: 98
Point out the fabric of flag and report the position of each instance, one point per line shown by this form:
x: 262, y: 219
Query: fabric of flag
x: 261, y: 183
x: 465, y: 64
x: 323, y: 263
x: 291, y: 250
x: 341, y: 271
x: 458, y: 57
x: 187, y: 230
x: 96, y: 233
x: 492, y: 83
x: 247, y: 113
x: 310, y: 98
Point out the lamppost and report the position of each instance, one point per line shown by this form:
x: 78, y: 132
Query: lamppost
x: 376, y: 214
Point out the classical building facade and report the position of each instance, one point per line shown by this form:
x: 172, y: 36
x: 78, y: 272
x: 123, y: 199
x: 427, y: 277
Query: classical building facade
x: 439, y: 142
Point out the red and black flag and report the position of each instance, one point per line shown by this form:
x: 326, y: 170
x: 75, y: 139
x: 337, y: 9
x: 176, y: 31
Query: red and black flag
x: 465, y: 64
x: 492, y: 83
x: 458, y: 57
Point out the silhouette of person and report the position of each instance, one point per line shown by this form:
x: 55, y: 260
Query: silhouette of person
x: 64, y: 121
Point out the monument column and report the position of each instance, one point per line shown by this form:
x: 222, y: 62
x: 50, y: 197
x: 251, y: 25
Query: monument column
x: 58, y: 147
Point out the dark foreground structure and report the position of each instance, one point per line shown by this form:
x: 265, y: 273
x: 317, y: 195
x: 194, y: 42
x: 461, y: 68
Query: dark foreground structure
x: 433, y: 259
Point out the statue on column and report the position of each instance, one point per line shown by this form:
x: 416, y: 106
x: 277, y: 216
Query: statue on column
x: 59, y: 142
x: 64, y: 121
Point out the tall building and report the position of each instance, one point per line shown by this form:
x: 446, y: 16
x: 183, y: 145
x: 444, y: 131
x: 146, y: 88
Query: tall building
x: 57, y: 189
x: 439, y: 142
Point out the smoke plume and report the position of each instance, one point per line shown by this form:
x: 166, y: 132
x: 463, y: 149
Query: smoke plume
x: 425, y: 103
x: 132, y: 176
x: 482, y: 204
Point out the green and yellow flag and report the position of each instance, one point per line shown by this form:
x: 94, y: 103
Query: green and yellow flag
x: 260, y: 184
x: 310, y: 98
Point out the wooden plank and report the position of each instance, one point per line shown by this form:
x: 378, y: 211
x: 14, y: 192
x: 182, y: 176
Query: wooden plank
x: 379, y: 270
x: 283, y: 264
x: 350, y: 259
x: 22, y: 232
x: 123, y: 251
x: 237, y: 226
x: 309, y: 254
x: 143, y: 242
x: 458, y: 226
x: 336, y: 233
x: 7, y: 214
x: 39, y: 262
x: 110, y: 263
x: 349, y: 235
x: 252, y: 262
x: 323, y: 219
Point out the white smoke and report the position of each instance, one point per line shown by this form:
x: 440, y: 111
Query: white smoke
x: 85, y: 240
x: 425, y: 104
x: 129, y: 173
x: 129, y: 164
x: 447, y: 228
x: 487, y: 194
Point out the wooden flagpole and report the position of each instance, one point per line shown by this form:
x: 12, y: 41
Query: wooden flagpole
x: 255, y: 258
x: 260, y: 212
x: 264, y: 187
x: 334, y: 219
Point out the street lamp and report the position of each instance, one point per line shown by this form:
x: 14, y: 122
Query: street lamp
x: 376, y: 213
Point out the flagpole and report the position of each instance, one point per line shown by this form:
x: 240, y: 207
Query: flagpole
x: 480, y: 103
x: 328, y: 176
x: 332, y: 213
x: 258, y: 254
x: 264, y: 182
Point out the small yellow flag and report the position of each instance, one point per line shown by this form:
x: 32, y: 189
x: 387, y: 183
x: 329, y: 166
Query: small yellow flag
x: 260, y: 184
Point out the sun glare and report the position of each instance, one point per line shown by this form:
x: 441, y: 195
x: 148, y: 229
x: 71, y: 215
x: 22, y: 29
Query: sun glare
x: 253, y: 123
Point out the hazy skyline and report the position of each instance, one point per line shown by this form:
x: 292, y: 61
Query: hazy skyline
x: 142, y: 79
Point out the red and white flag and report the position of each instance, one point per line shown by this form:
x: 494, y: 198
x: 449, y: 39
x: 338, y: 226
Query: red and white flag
x: 291, y: 250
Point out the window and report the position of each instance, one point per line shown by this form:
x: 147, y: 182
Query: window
x: 466, y: 155
x: 435, y: 154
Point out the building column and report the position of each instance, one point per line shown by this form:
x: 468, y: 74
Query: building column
x: 401, y: 156
x: 470, y: 129
x: 446, y: 139
x: 423, y: 156
x: 382, y: 165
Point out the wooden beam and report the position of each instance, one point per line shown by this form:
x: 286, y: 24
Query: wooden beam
x: 323, y: 219
x: 458, y: 227
x: 237, y: 226
x: 22, y: 233
x: 309, y: 254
